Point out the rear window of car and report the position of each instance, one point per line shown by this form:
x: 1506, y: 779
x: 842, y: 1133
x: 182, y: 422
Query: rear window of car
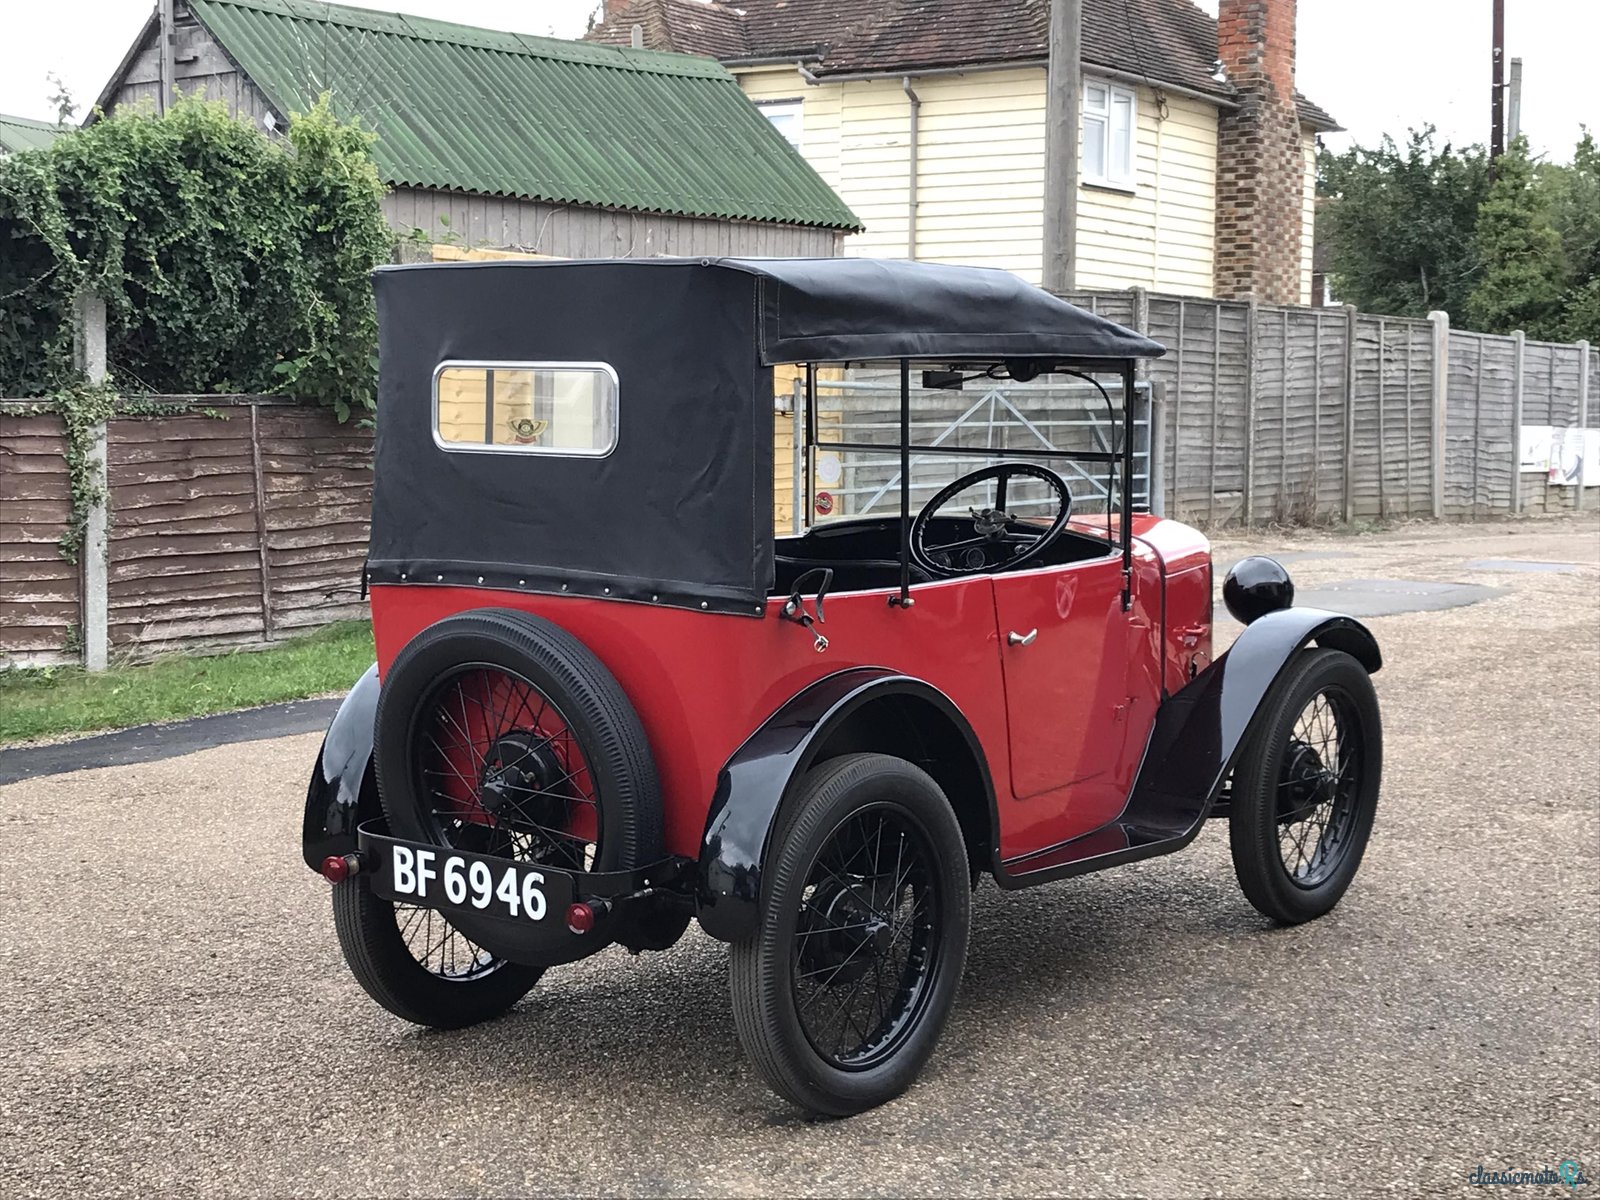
x: 526, y: 407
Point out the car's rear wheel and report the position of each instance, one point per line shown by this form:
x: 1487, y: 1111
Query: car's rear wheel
x: 419, y: 967
x: 1306, y: 790
x: 841, y: 995
x: 500, y: 733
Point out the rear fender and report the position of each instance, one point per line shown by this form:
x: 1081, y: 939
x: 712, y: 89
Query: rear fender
x: 857, y: 709
x: 343, y: 792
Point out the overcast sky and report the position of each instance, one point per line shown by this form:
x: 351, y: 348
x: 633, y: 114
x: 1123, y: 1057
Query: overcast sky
x: 1379, y: 66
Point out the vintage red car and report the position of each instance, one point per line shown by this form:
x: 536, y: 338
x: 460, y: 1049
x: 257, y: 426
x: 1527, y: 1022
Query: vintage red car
x: 609, y: 700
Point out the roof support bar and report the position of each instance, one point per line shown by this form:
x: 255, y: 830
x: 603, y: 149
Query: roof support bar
x: 903, y: 600
x: 1126, y: 521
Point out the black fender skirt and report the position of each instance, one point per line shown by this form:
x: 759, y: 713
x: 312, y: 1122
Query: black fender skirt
x: 754, y: 783
x: 338, y: 800
x: 1198, y: 734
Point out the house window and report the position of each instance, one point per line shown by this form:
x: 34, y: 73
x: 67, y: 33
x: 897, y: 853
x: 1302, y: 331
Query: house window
x: 526, y: 408
x: 785, y: 118
x: 1108, y: 135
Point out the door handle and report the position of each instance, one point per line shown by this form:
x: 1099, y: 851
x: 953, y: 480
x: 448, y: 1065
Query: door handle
x: 1022, y: 639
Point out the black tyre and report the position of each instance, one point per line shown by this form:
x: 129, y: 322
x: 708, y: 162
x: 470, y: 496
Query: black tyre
x: 411, y: 961
x: 500, y: 733
x: 841, y: 995
x: 1306, y: 790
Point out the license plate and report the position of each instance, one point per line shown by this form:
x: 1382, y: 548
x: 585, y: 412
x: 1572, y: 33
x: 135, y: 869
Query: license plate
x: 458, y: 881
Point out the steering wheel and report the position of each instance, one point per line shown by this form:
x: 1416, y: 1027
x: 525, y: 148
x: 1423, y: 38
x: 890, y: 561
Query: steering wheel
x: 999, y: 539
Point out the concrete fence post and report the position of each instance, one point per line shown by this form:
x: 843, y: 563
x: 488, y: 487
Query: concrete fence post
x: 1441, y: 403
x: 1585, y: 382
x: 1139, y: 301
x: 1251, y: 383
x: 1519, y: 346
x: 89, y: 356
x: 1349, y: 464
x: 1158, y: 449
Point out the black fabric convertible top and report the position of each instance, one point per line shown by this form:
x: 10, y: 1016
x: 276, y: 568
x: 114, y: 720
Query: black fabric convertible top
x: 838, y: 309
x: 680, y: 511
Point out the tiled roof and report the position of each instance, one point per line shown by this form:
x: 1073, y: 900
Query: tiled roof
x: 21, y: 133
x: 1166, y: 41
x: 708, y: 27
x: 477, y: 110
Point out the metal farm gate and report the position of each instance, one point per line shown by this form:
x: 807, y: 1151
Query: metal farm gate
x: 863, y: 406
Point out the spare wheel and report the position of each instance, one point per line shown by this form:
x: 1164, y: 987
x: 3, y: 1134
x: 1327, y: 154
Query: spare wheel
x: 501, y: 733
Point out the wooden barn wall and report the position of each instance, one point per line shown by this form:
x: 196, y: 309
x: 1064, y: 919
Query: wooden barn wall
x: 200, y: 64
x: 233, y: 531
x: 565, y: 231
x: 572, y: 231
x: 39, y: 590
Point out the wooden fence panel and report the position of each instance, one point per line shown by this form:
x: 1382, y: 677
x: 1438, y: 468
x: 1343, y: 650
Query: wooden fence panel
x: 316, y: 478
x: 40, y: 592
x: 1204, y: 376
x: 1391, y: 467
x: 183, y: 559
x: 231, y: 530
x: 1287, y: 462
x: 1478, y: 471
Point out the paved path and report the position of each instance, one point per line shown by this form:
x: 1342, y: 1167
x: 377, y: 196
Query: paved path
x: 178, y: 1019
x: 150, y: 743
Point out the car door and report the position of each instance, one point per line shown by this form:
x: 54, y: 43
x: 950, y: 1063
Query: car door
x: 1082, y: 684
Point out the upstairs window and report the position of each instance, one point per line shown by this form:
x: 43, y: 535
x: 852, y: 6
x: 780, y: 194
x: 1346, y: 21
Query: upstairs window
x: 785, y: 118
x: 526, y: 408
x: 1109, y: 126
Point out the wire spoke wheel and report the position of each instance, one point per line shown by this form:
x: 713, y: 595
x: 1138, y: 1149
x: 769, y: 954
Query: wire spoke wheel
x: 497, y: 734
x: 440, y: 948
x: 501, y: 772
x: 1305, y: 789
x: 841, y: 994
x: 865, y: 942
x: 1318, y: 787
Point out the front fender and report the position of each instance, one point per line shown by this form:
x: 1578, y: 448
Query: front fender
x: 1199, y: 731
x: 339, y: 798
x: 753, y: 785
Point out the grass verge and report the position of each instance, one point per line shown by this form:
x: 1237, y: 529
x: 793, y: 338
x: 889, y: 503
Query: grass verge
x: 60, y: 700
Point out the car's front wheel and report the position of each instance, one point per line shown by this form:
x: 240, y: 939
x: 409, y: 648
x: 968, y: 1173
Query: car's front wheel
x: 1306, y: 789
x: 841, y: 995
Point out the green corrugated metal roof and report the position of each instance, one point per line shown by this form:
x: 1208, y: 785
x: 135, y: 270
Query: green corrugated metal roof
x: 19, y: 133
x: 478, y: 110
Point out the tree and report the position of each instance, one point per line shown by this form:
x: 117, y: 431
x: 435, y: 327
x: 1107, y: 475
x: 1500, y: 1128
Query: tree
x: 1398, y: 224
x: 1575, y: 211
x: 1521, y: 286
x: 61, y: 99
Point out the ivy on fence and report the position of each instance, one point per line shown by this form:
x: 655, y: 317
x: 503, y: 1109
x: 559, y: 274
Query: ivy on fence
x: 229, y: 261
x: 83, y: 409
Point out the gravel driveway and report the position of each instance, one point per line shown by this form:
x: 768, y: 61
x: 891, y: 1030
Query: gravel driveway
x: 176, y: 1016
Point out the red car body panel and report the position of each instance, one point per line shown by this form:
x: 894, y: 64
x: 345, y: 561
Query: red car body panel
x: 1063, y: 721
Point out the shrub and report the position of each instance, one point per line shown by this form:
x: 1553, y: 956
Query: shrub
x: 229, y: 261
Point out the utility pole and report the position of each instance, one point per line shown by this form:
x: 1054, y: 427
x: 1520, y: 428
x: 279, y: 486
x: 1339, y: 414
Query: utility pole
x: 1514, y: 107
x: 1497, y: 115
x: 1064, y: 90
x: 166, y: 45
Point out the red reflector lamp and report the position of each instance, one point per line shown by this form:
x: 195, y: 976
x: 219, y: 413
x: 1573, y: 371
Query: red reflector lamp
x: 582, y: 915
x: 336, y: 868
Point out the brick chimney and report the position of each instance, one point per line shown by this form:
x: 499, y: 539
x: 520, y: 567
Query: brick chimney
x: 1260, y: 163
